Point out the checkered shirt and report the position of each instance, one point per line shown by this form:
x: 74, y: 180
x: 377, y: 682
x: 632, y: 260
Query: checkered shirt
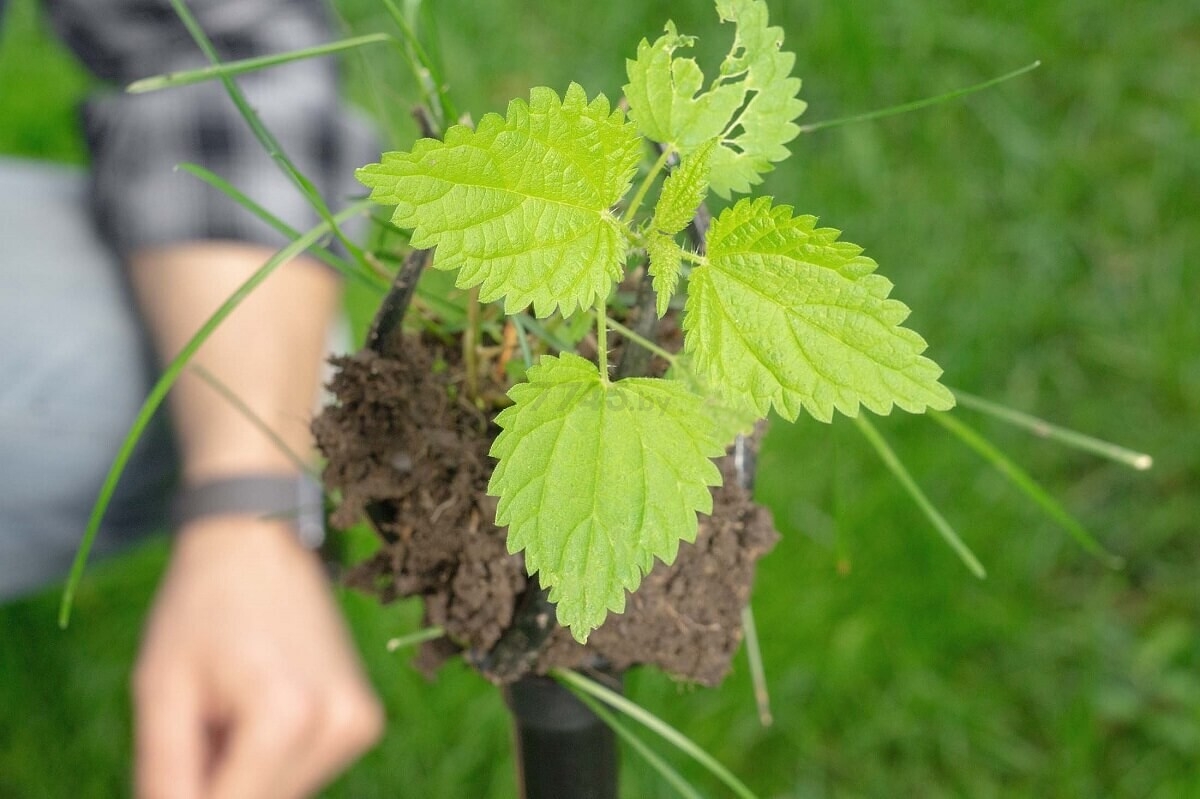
x: 136, y: 141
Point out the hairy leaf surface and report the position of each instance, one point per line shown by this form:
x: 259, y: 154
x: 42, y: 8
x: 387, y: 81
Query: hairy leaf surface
x: 666, y: 258
x: 785, y: 315
x: 728, y: 419
x: 684, y: 190
x: 750, y: 107
x: 521, y: 204
x: 597, y: 479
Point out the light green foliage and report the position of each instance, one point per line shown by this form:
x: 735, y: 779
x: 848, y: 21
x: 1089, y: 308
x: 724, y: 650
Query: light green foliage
x: 684, y: 190
x: 785, y: 315
x: 666, y: 259
x: 681, y: 195
x: 728, y: 419
x: 766, y: 122
x: 520, y: 206
x: 664, y: 99
x: 596, y: 479
x: 750, y: 107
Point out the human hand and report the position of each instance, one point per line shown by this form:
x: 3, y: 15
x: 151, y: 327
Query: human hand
x: 247, y: 685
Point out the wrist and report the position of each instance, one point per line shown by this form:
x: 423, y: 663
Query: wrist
x: 282, y: 500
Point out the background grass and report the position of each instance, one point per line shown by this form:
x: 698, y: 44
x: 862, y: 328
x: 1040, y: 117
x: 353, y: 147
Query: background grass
x: 1041, y: 233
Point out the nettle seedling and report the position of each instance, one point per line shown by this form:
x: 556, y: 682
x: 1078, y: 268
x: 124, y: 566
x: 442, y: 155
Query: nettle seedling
x: 596, y: 477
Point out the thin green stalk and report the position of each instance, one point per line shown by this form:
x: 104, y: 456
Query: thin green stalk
x: 231, y: 68
x: 412, y: 639
x: 522, y: 337
x: 888, y: 456
x: 257, y: 421
x: 758, y: 675
x: 539, y: 330
x: 642, y: 341
x: 424, y: 69
x: 915, y: 105
x: 355, y: 271
x: 673, y: 777
x: 668, y: 733
x: 694, y: 257
x: 636, y: 202
x: 1021, y: 479
x: 1043, y: 429
x: 470, y: 344
x: 602, y: 344
x: 159, y: 391
x: 264, y: 136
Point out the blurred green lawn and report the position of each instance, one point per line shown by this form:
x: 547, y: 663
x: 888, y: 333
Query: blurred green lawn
x: 1039, y: 231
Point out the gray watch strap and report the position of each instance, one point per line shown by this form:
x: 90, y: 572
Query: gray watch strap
x: 296, y: 499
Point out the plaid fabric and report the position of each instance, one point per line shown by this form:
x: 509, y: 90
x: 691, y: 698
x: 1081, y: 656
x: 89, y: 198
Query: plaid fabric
x: 137, y: 140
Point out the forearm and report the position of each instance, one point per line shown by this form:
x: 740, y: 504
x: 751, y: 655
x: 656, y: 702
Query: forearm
x: 268, y: 352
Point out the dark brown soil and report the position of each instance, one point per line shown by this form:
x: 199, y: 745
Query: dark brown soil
x: 404, y: 450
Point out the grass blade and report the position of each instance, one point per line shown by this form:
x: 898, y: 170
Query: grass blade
x: 673, y: 777
x: 159, y: 391
x: 1043, y: 429
x: 231, y: 68
x: 367, y: 277
x: 257, y: 421
x: 915, y: 105
x: 412, y: 639
x: 425, y: 71
x: 758, y: 675
x: 1021, y: 479
x: 578, y: 682
x: 264, y: 136
x: 888, y: 456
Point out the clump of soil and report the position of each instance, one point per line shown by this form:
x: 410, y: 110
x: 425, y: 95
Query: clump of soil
x: 406, y: 451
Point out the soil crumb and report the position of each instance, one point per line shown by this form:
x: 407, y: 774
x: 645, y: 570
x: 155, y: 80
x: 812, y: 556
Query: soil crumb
x: 406, y: 452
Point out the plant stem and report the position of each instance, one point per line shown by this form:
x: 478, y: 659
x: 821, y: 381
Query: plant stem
x: 229, y: 68
x: 412, y: 639
x: 602, y: 343
x: 647, y: 182
x: 694, y: 257
x: 904, y: 108
x: 611, y: 698
x: 888, y: 456
x: 1021, y: 479
x: 1042, y: 428
x: 253, y: 418
x: 523, y: 340
x: 264, y: 136
x: 669, y: 774
x: 641, y: 340
x: 470, y: 344
x: 424, y: 69
x: 355, y: 271
x: 758, y: 675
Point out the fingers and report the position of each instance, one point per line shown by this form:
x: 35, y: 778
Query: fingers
x: 170, y: 736
x: 352, y: 722
x: 288, y: 742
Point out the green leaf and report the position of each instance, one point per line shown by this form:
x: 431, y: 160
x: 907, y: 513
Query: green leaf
x: 684, y: 190
x: 521, y: 205
x: 766, y: 121
x: 728, y: 419
x: 663, y: 100
x: 783, y: 314
x: 597, y: 479
x: 666, y: 258
x: 750, y: 107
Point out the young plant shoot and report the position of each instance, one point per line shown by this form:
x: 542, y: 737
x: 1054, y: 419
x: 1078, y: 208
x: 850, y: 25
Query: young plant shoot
x: 597, y: 477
